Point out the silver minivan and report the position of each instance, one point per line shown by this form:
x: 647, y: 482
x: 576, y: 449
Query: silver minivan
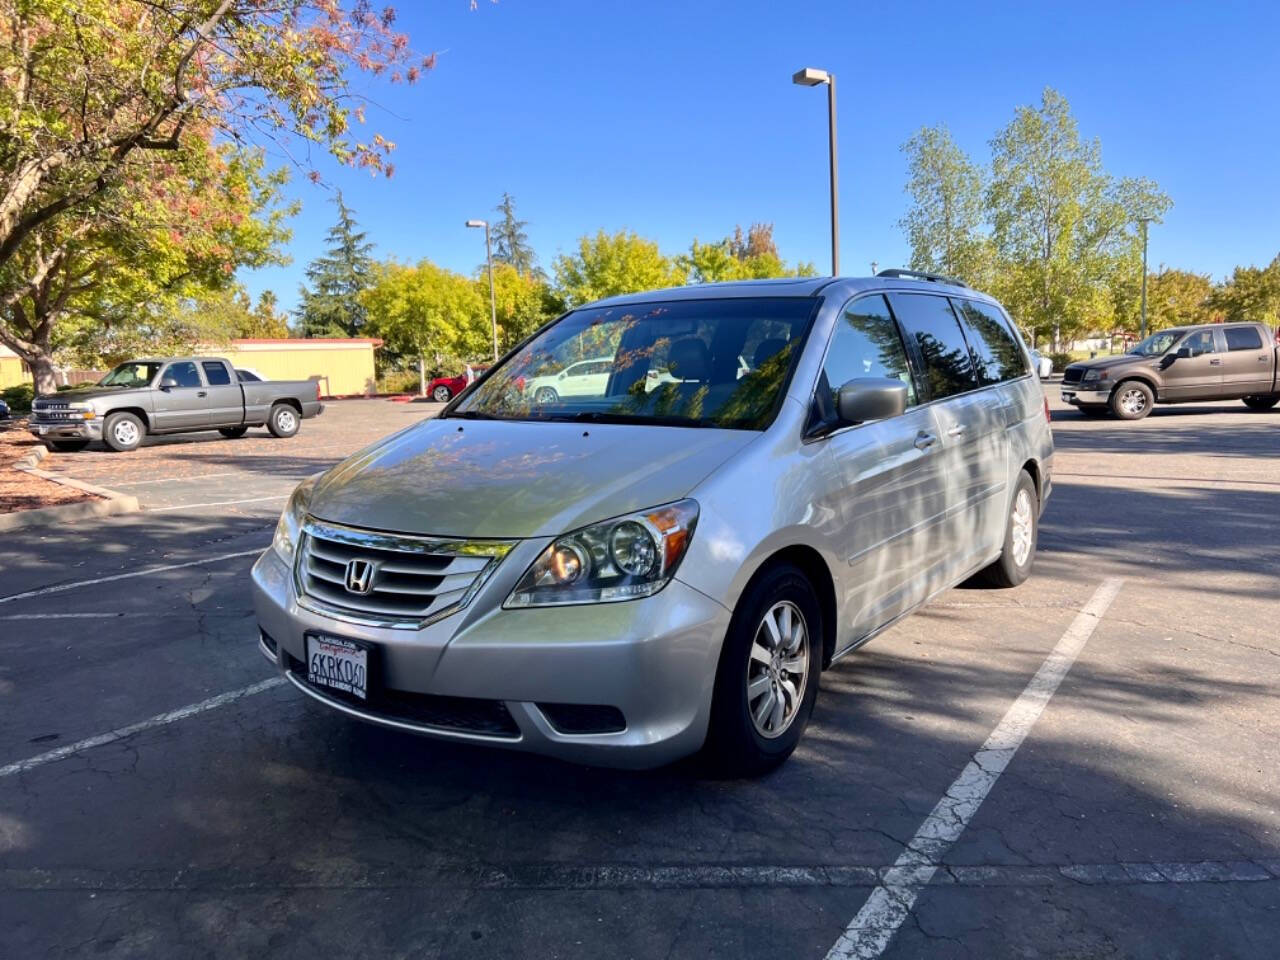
x: 765, y: 475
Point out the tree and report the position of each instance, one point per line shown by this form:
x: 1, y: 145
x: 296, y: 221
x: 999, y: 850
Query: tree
x: 425, y: 311
x: 266, y: 321
x: 510, y: 241
x: 945, y: 221
x: 609, y: 264
x: 1176, y: 297
x: 115, y: 275
x: 1251, y: 294
x: 1064, y: 230
x: 732, y: 259
x: 331, y: 305
x: 757, y: 243
x: 96, y: 93
x: 523, y: 303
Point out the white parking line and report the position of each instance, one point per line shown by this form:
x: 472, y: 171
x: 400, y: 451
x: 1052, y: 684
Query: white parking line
x: 199, y: 476
x: 217, y: 503
x: 101, y: 615
x: 157, y: 721
x: 869, y: 933
x: 60, y: 587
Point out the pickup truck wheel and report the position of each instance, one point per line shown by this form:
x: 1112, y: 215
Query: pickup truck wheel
x: 1132, y: 400
x: 441, y: 394
x: 123, y: 432
x: 767, y: 680
x: 283, y: 421
x: 233, y: 433
x: 1013, y: 566
x: 66, y: 446
x: 1262, y: 402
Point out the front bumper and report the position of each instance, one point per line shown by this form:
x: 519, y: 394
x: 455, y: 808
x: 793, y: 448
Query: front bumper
x: 66, y: 429
x: 653, y: 659
x: 1074, y: 394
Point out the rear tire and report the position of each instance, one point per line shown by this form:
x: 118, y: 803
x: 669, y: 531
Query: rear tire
x: 766, y: 687
x: 66, y: 446
x: 1262, y: 401
x: 545, y: 395
x: 233, y: 433
x: 1016, y: 559
x: 123, y: 432
x: 1132, y: 400
x: 441, y: 394
x: 283, y: 421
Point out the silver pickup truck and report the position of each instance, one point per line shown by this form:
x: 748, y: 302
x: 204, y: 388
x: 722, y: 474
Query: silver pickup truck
x: 171, y: 395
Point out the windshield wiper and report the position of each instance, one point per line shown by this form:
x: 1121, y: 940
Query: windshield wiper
x: 470, y: 415
x: 599, y: 416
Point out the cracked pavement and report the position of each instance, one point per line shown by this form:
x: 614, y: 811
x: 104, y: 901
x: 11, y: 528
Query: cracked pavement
x: 1139, y: 818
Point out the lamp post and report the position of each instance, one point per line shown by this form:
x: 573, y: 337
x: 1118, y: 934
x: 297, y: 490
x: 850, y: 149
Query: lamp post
x: 493, y: 303
x: 811, y: 77
x: 1143, y: 330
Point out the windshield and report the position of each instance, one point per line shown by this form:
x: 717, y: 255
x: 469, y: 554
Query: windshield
x: 132, y: 374
x: 690, y: 363
x: 1157, y: 343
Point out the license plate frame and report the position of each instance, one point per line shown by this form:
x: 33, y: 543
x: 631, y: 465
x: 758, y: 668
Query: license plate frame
x: 1068, y: 396
x: 339, y: 664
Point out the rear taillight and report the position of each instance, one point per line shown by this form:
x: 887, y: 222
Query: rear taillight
x: 318, y: 391
x: 1047, y: 415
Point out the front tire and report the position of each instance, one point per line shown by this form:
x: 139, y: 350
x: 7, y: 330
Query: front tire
x: 1262, y: 401
x: 441, y: 394
x: 767, y: 679
x: 283, y: 421
x: 1022, y: 529
x: 123, y: 432
x: 545, y: 395
x: 233, y: 433
x: 66, y: 446
x: 1132, y: 400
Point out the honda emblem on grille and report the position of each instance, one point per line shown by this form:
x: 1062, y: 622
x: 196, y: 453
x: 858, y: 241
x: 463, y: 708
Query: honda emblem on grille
x: 359, y: 576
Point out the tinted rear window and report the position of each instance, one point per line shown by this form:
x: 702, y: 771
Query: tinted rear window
x: 996, y: 354
x: 1243, y: 338
x: 215, y: 373
x: 932, y: 323
x: 184, y: 372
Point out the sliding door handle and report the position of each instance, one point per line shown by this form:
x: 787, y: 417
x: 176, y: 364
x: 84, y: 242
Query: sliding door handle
x: 956, y: 431
x: 925, y: 441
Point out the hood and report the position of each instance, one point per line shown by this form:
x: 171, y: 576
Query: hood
x: 1121, y: 360
x: 81, y: 394
x: 507, y: 479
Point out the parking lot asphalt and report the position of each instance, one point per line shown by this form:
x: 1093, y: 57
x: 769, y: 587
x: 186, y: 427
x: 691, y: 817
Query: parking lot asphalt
x: 162, y: 795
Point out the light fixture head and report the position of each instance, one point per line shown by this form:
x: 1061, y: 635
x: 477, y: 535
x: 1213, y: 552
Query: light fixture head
x: 477, y: 223
x: 810, y: 77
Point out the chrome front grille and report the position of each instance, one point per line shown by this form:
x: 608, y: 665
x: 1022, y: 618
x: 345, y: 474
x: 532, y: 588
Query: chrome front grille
x: 50, y: 411
x: 398, y: 579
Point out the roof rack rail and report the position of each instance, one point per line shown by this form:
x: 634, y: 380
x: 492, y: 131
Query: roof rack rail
x: 920, y: 275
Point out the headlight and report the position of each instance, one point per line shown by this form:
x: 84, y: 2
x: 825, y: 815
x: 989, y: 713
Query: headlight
x: 620, y: 559
x: 81, y: 410
x: 1090, y: 375
x: 289, y: 528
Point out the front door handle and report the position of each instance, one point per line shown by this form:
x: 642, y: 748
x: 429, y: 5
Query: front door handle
x: 956, y: 431
x: 202, y: 393
x: 1215, y: 363
x: 925, y: 441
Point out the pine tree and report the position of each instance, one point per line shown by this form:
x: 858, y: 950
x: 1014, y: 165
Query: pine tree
x: 330, y: 304
x: 511, y: 243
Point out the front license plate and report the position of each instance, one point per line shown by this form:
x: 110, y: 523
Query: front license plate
x: 338, y: 664
x: 1068, y: 396
x: 43, y: 429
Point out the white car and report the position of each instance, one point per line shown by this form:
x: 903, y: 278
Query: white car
x: 586, y: 378
x: 1043, y: 365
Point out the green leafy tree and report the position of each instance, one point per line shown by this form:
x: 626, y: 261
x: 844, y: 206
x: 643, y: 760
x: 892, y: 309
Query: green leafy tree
x: 523, y: 303
x: 330, y: 301
x: 945, y: 223
x: 610, y: 264
x: 510, y: 241
x: 1065, y: 232
x: 738, y: 257
x: 1251, y: 294
x: 1176, y: 297
x: 266, y: 320
x: 98, y: 95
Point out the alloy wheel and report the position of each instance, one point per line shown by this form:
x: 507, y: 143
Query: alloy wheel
x: 1023, y: 522
x: 1133, y: 401
x: 777, y: 669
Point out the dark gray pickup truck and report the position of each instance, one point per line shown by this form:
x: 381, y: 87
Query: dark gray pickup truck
x: 1218, y: 361
x: 171, y: 395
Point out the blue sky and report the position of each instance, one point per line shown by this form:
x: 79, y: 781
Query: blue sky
x: 679, y: 120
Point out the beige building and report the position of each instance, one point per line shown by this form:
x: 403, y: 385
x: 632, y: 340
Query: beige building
x: 344, y: 366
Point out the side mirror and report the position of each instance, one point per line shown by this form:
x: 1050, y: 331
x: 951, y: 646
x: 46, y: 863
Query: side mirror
x: 168, y: 383
x: 1186, y: 353
x: 871, y: 398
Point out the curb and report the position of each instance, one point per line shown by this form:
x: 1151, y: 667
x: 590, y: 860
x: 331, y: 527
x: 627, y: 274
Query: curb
x: 113, y: 503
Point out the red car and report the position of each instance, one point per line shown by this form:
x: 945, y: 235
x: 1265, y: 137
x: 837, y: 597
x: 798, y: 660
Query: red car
x: 444, y: 389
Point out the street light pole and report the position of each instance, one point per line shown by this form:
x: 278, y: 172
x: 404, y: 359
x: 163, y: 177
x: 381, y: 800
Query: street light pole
x: 811, y: 77
x: 493, y: 303
x: 1143, y: 333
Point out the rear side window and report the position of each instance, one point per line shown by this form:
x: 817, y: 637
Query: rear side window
x: 997, y: 356
x: 247, y: 376
x: 866, y: 343
x: 215, y: 373
x: 931, y: 322
x: 1243, y: 338
x: 185, y: 373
